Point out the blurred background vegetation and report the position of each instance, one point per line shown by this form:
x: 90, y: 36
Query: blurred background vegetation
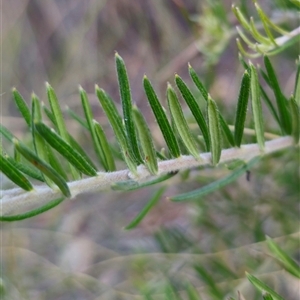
x: 79, y: 249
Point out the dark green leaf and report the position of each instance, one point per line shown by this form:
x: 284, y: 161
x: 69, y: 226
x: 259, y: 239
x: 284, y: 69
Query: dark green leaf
x: 161, y: 118
x: 32, y: 213
x: 297, y: 83
x: 295, y: 112
x: 180, y: 123
x: 6, y: 133
x: 65, y: 149
x: 127, y: 108
x: 194, y: 107
x: 280, y: 99
x: 146, y: 209
x: 216, y: 185
x: 22, y: 106
x: 14, y: 174
x: 146, y: 141
x: 43, y: 167
x: 214, y: 130
x: 241, y: 111
x: 108, y: 157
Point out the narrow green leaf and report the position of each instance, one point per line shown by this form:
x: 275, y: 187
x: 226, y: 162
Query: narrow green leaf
x: 216, y: 185
x: 146, y: 209
x: 76, y: 117
x: 115, y: 121
x: 22, y: 106
x: 192, y: 292
x: 73, y: 157
x: 40, y: 146
x: 289, y: 264
x: 203, y: 91
x: 59, y: 121
x: 131, y: 185
x: 44, y: 167
x: 297, y: 83
x: 258, y: 36
x: 146, y: 141
x: 240, y: 17
x: 161, y: 118
x: 33, y: 212
x: 49, y: 114
x: 214, y: 130
x: 194, y: 107
x: 6, y: 133
x: 180, y: 123
x: 280, y: 99
x: 108, y: 157
x: 56, y: 164
x: 125, y: 94
x: 267, y: 296
x: 295, y: 112
x: 256, y: 108
x: 241, y: 111
x: 262, y: 287
x: 11, y: 172
x: 89, y: 119
x: 26, y: 169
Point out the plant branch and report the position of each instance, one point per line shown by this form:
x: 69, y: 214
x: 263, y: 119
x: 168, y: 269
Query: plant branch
x: 16, y: 200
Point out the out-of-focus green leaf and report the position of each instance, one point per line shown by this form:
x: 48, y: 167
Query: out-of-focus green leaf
x: 22, y: 106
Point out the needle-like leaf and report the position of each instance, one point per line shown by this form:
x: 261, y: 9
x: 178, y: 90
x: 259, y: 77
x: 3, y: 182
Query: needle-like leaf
x: 280, y: 99
x: 256, y: 108
x: 72, y: 156
x: 161, y: 118
x: 214, y: 130
x: 216, y: 185
x: 297, y: 83
x: 89, y: 119
x: 241, y: 111
x: 146, y: 209
x: 22, y: 106
x: 59, y: 121
x: 262, y: 287
x: 194, y: 107
x: 116, y: 123
x: 146, y: 141
x: 127, y: 108
x: 180, y: 123
x: 14, y: 174
x: 33, y: 212
x: 295, y: 112
x: 289, y: 264
x: 43, y: 167
x: 107, y: 154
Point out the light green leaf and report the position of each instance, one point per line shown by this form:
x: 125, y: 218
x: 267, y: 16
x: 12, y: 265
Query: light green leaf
x: 146, y: 209
x: 117, y: 126
x: 267, y: 296
x: 262, y: 287
x: 14, y: 174
x: 240, y: 17
x: 194, y: 107
x: 256, y: 108
x: 33, y: 212
x: 131, y: 185
x: 297, y: 83
x: 76, y: 117
x: 6, y: 133
x: 161, y: 118
x: 192, y: 292
x: 216, y: 185
x: 241, y: 110
x: 214, y: 130
x: 59, y: 122
x: 127, y: 108
x: 289, y: 264
x: 180, y: 123
x: 146, y: 141
x: 22, y: 106
x: 108, y: 157
x: 73, y: 157
x: 43, y: 167
x: 280, y: 99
